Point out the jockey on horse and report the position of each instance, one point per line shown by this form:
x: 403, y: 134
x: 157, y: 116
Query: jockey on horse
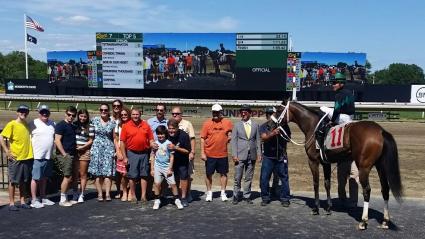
x: 341, y: 114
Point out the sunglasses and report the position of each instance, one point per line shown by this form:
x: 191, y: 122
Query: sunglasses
x: 159, y: 110
x: 103, y: 110
x: 176, y: 114
x: 71, y: 115
x: 116, y: 106
x: 124, y: 114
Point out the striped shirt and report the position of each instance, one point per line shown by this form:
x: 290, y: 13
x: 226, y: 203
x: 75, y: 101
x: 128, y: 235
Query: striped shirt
x: 82, y: 136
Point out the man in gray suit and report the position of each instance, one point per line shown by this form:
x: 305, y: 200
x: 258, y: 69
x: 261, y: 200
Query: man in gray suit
x: 246, y: 149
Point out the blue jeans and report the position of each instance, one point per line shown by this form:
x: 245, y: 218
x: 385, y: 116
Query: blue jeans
x: 280, y: 168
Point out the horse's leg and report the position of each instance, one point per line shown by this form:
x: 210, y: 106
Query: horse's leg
x: 364, y: 181
x: 385, y: 189
x: 327, y: 174
x: 314, y: 167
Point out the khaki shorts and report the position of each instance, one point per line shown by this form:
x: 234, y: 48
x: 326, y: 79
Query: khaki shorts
x: 84, y: 155
x: 65, y: 164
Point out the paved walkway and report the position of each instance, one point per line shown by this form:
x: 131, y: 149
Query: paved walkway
x: 210, y: 220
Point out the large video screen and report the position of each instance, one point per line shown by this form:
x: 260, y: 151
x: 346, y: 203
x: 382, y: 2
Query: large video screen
x: 69, y: 65
x: 320, y: 67
x: 192, y: 61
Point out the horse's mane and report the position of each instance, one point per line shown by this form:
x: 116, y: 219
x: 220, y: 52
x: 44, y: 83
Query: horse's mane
x: 317, y: 112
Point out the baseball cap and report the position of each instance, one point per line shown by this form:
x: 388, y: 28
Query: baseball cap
x: 43, y: 107
x: 23, y: 108
x: 216, y: 107
x: 270, y: 110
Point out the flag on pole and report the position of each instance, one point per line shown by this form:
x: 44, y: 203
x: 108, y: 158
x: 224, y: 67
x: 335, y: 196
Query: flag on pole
x: 33, y: 25
x: 31, y: 39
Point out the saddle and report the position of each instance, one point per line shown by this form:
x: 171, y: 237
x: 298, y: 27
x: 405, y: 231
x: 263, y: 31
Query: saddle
x: 332, y: 142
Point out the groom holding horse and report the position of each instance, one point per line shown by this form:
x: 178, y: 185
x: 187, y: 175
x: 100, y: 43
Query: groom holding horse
x: 343, y: 113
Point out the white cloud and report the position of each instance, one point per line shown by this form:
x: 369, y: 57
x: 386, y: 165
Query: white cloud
x: 72, y: 20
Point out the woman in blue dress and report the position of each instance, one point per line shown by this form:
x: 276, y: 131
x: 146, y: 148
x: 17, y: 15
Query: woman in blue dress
x: 102, y: 163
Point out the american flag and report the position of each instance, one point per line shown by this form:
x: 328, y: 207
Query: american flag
x: 33, y: 25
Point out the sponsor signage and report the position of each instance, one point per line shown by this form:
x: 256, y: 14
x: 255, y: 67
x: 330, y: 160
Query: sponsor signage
x: 417, y: 94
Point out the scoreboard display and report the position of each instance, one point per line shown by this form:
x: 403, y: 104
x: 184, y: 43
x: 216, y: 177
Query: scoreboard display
x: 119, y: 60
x: 261, y: 60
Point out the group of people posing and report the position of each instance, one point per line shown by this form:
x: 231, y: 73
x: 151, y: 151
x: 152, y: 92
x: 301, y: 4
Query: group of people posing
x: 119, y: 146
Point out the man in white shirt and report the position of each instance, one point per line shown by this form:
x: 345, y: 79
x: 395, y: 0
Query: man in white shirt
x: 42, y: 138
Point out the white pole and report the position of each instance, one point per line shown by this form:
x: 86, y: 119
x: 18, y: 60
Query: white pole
x: 26, y: 54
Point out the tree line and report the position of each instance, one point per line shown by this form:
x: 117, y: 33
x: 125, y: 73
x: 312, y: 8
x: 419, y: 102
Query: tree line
x: 12, y: 66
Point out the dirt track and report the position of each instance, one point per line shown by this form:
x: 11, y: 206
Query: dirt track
x: 410, y: 138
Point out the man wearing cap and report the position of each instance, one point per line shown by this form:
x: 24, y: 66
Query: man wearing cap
x: 66, y: 148
x: 275, y: 160
x: 343, y: 113
x: 20, y: 156
x: 246, y: 149
x: 42, y: 138
x: 344, y: 109
x: 215, y: 135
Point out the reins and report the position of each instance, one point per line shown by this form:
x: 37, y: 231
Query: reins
x: 286, y: 136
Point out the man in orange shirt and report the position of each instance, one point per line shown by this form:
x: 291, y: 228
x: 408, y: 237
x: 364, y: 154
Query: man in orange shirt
x: 135, y: 142
x: 215, y: 135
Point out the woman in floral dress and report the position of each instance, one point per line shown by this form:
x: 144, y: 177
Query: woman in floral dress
x: 102, y: 163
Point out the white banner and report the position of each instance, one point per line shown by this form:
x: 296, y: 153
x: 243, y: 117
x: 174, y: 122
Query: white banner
x: 417, y: 94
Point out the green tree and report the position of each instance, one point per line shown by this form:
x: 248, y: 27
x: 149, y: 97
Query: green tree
x: 12, y: 66
x: 399, y: 73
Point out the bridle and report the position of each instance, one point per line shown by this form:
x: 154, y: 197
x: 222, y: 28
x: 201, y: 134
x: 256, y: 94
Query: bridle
x: 285, y: 134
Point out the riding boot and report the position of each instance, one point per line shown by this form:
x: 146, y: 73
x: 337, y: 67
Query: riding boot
x: 354, y: 192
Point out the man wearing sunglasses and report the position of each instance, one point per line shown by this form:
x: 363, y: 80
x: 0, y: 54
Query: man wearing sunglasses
x: 158, y: 119
x: 19, y: 154
x: 42, y: 138
x: 65, y: 150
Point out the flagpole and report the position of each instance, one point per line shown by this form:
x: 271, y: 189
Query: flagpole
x: 26, y: 54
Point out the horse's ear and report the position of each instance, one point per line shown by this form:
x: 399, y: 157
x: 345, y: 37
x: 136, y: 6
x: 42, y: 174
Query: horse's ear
x: 285, y: 101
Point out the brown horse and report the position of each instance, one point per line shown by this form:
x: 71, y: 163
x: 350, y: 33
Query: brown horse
x: 370, y: 145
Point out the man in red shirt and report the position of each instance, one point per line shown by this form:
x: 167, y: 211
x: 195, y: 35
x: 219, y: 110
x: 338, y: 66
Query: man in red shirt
x: 215, y: 136
x: 135, y: 143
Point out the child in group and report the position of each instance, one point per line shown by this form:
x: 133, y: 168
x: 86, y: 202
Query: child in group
x: 162, y: 167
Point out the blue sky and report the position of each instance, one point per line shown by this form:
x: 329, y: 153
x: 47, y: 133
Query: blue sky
x: 388, y: 31
x: 332, y: 58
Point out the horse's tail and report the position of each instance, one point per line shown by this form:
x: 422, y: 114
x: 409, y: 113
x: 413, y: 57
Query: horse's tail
x: 391, y: 166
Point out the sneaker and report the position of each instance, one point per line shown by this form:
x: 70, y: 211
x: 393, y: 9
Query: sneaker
x: 13, y: 208
x: 73, y: 202
x: 178, y: 204
x: 36, y: 204
x: 65, y: 204
x: 224, y: 197
x: 235, y: 201
x: 81, y: 198
x: 47, y: 202
x: 25, y: 206
x: 156, y: 204
x: 209, y: 196
x: 184, y: 202
x: 285, y: 203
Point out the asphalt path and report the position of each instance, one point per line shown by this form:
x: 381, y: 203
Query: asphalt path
x: 215, y: 219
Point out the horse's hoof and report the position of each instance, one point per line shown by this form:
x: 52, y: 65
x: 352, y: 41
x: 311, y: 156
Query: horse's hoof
x: 362, y: 225
x: 384, y: 224
x: 315, y: 211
